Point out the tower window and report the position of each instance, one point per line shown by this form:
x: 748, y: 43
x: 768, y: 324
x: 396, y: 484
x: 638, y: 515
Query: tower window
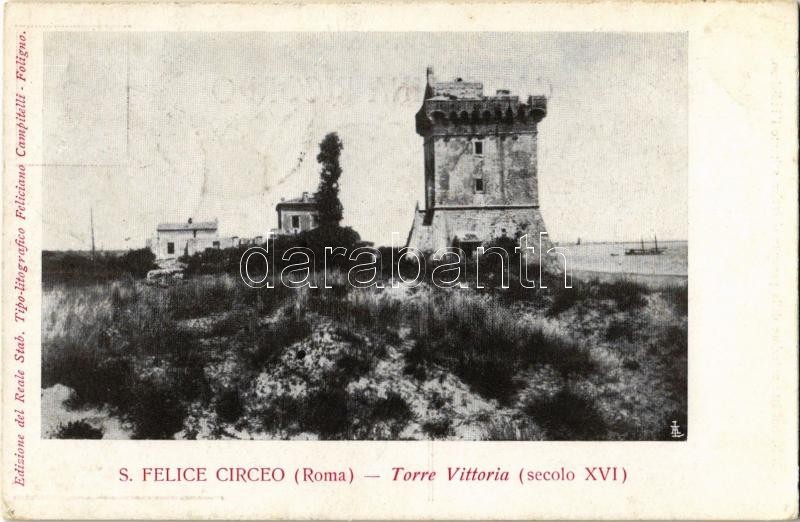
x: 295, y: 221
x: 170, y: 248
x: 478, y: 185
x: 478, y: 147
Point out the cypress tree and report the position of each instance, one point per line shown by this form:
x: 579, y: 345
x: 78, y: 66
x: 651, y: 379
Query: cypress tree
x: 327, y: 195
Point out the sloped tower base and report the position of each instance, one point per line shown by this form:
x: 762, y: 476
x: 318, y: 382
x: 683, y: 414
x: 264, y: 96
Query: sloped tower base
x: 473, y: 227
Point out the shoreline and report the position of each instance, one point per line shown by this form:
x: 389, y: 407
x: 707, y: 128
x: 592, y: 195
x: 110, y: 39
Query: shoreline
x: 651, y: 280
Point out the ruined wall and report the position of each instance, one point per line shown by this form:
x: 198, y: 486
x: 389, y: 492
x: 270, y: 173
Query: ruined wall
x: 507, y: 167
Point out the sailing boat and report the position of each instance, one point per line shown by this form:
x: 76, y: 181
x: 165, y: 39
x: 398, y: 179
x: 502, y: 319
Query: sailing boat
x: 653, y: 251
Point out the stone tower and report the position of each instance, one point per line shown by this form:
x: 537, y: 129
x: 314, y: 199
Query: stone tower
x: 480, y: 167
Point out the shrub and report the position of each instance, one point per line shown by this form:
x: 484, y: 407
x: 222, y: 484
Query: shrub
x: 392, y: 407
x: 678, y: 297
x: 156, y: 413
x: 627, y: 295
x: 674, y: 339
x: 438, y: 428
x: 137, y: 262
x: 100, y: 335
x: 281, y: 413
x: 538, y: 298
x: 82, y: 267
x: 267, y: 343
x: 672, y: 347
x: 98, y: 362
x: 566, y: 298
x: 350, y: 366
x: 326, y: 412
x: 416, y: 361
x: 377, y: 418
x: 469, y: 336
x: 484, y: 345
x: 158, y: 336
x: 617, y: 330
x: 264, y: 300
x: 360, y: 308
x: 563, y: 356
x: 632, y: 365
x: 332, y: 412
x: 317, y: 240
x: 96, y: 380
x: 567, y: 416
x: 487, y: 373
x: 203, y: 296
x: 78, y: 430
x: 187, y: 376
x: 124, y: 294
x: 229, y: 405
x: 492, y: 264
x: 233, y: 323
x: 218, y: 261
x: 349, y: 336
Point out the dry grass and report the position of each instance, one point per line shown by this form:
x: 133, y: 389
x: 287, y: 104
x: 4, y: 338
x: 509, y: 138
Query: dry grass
x: 566, y: 376
x: 626, y: 295
x: 480, y: 341
x: 121, y: 345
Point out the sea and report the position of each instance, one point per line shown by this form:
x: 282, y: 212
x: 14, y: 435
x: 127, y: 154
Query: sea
x: 610, y: 258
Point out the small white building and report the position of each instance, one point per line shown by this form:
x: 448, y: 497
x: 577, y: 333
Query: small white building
x: 173, y: 240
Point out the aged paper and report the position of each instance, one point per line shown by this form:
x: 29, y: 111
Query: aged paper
x: 400, y: 261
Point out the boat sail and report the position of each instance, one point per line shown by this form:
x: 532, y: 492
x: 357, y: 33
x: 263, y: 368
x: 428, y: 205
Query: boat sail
x: 652, y: 251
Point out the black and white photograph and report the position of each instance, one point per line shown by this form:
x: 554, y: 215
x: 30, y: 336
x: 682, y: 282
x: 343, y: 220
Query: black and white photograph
x: 461, y: 236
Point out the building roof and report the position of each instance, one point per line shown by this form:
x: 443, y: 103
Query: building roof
x: 306, y: 201
x: 188, y: 225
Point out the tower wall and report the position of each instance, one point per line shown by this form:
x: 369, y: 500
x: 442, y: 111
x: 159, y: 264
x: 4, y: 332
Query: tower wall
x: 506, y: 168
x: 480, y: 160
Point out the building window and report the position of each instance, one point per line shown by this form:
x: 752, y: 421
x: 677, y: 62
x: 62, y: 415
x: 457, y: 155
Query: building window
x: 478, y: 185
x: 478, y: 148
x: 215, y: 244
x: 295, y: 221
x: 170, y: 248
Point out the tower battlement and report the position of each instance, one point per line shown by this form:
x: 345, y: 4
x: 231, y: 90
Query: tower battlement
x: 458, y: 106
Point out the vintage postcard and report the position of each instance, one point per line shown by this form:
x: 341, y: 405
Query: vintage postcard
x: 400, y: 261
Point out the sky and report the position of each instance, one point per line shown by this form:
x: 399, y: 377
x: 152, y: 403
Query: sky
x: 143, y: 128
